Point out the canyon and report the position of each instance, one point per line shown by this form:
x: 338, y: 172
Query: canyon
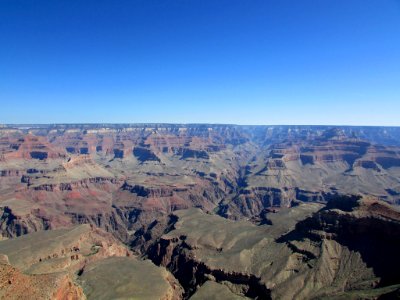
x: 207, y: 210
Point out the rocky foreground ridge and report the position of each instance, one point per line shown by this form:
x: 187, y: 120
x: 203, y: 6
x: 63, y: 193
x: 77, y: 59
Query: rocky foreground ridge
x: 345, y: 250
x: 81, y: 262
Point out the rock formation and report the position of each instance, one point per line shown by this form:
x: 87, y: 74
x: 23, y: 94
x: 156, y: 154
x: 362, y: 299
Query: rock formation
x: 346, y: 249
x: 227, y: 209
x: 78, y: 263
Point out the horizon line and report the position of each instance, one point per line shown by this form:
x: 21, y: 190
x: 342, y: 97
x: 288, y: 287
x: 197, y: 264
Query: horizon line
x: 189, y: 124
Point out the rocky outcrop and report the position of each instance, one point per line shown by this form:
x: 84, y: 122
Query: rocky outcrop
x: 339, y: 250
x: 252, y: 201
x: 366, y: 226
x: 108, y: 221
x: 78, y: 263
x: 142, y: 191
x: 191, y: 273
x: 13, y: 225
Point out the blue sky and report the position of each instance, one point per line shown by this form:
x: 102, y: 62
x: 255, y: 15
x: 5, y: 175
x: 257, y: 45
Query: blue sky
x: 200, y: 61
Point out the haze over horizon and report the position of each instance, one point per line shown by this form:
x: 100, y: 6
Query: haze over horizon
x: 226, y: 62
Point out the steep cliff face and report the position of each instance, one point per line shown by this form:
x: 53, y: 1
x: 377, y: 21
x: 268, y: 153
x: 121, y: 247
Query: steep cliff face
x: 13, y: 225
x: 366, y: 226
x: 192, y: 273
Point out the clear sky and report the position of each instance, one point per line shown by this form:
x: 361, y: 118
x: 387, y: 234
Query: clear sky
x: 200, y: 61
